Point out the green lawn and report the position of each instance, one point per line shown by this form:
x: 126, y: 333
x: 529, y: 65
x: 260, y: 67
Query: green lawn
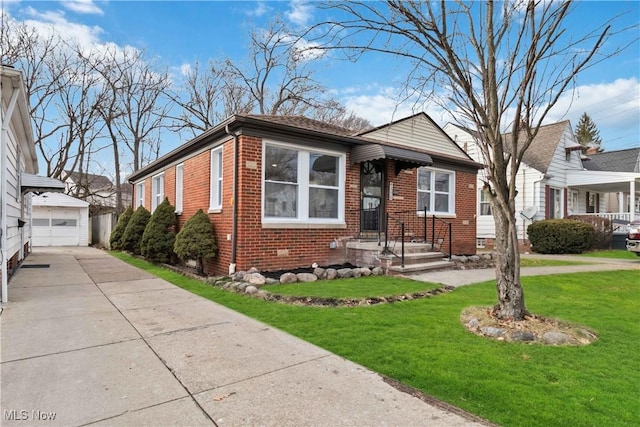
x: 612, y: 253
x: 373, y: 286
x: 539, y: 262
x: 421, y: 343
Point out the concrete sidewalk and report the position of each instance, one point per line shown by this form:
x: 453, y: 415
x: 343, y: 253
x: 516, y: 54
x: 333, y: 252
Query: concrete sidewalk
x: 467, y: 277
x: 91, y: 340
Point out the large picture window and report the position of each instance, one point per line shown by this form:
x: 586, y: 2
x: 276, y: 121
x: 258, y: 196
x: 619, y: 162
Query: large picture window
x: 436, y: 191
x: 302, y: 185
x: 485, y: 206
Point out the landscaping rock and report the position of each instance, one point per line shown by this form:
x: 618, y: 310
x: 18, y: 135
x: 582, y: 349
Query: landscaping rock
x: 522, y: 336
x: 270, y: 281
x: 474, y: 258
x: 255, y: 279
x: 262, y: 294
x: 365, y: 271
x: 306, y: 277
x: 555, y: 338
x: 320, y: 272
x: 377, y: 271
x: 253, y: 270
x: 473, y: 323
x: 487, y: 257
x: 345, y: 272
x: 356, y: 272
x: 331, y: 273
x: 251, y: 290
x: 492, y: 332
x: 238, y: 276
x: 288, y: 278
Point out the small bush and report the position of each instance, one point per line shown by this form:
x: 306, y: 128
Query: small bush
x: 603, y: 230
x: 196, y: 240
x: 560, y: 236
x: 159, y: 235
x: 117, y: 232
x: 135, y: 228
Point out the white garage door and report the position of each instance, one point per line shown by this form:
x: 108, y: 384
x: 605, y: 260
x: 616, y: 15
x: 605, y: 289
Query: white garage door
x: 55, y: 226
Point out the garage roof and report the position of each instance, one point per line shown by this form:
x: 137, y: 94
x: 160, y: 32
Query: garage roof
x: 58, y: 199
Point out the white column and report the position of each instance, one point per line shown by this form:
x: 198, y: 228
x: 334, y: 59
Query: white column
x: 632, y: 199
x: 621, y: 206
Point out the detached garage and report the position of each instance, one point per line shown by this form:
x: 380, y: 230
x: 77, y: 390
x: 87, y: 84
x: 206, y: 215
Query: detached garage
x: 59, y: 220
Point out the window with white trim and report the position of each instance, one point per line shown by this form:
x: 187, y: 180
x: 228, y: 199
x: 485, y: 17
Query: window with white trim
x: 215, y: 192
x: 179, y: 187
x: 436, y: 191
x: 157, y: 191
x: 485, y: 206
x: 302, y: 185
x: 139, y: 194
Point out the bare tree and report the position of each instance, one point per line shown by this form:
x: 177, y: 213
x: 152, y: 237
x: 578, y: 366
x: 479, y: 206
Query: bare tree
x: 206, y: 97
x: 279, y: 78
x: 131, y: 105
x: 501, y: 64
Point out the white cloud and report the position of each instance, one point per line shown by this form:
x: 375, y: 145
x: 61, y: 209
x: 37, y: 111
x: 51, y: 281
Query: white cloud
x: 300, y: 13
x: 185, y: 69
x: 82, y: 6
x: 55, y: 22
x: 260, y: 9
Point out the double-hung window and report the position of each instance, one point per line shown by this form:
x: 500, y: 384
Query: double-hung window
x: 436, y: 191
x: 179, y: 187
x: 139, y: 194
x: 215, y: 194
x: 302, y: 185
x: 157, y: 191
x: 485, y: 206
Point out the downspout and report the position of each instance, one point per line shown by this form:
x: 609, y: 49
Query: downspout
x: 234, y: 200
x: 6, y: 120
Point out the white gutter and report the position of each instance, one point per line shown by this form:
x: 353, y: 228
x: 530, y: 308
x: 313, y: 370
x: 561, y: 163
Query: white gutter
x: 6, y: 120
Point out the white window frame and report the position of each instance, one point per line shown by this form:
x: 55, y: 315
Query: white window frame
x: 482, y: 200
x: 216, y: 184
x: 139, y: 194
x: 303, y: 186
x: 157, y: 190
x: 451, y: 193
x: 179, y: 187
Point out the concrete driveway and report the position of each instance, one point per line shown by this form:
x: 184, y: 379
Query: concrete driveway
x: 90, y: 340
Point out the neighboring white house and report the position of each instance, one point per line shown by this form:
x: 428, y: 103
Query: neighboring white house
x: 95, y: 189
x: 17, y: 173
x: 552, y: 182
x: 59, y: 220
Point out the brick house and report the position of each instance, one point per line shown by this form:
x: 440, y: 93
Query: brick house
x: 303, y: 190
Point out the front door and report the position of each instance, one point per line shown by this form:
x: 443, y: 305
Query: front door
x: 372, y: 196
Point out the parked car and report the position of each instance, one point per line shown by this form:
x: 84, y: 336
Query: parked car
x: 633, y: 237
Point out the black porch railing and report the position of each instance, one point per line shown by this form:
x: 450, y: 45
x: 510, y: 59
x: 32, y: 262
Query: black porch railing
x: 416, y: 227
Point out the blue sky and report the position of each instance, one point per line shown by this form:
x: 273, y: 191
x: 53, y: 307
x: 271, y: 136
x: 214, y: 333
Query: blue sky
x: 182, y: 33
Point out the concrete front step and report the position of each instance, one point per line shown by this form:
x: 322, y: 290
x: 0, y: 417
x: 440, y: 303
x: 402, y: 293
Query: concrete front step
x: 413, y: 268
x: 419, y: 257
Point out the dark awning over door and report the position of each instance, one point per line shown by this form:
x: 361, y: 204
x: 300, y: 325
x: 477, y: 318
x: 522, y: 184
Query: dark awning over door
x: 404, y: 157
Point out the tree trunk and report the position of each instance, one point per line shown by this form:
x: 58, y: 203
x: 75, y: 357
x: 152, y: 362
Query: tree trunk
x: 510, y: 294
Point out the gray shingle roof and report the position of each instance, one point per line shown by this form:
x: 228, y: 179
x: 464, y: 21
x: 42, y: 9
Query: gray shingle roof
x: 304, y: 123
x: 615, y: 161
x: 543, y: 146
x: 91, y: 181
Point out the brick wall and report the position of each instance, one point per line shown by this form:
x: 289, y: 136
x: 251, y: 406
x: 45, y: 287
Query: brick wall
x: 287, y: 248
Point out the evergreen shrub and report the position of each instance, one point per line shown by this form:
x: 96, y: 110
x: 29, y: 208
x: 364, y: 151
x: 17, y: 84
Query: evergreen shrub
x: 560, y: 236
x: 196, y: 240
x: 117, y: 232
x: 135, y: 228
x: 159, y: 235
